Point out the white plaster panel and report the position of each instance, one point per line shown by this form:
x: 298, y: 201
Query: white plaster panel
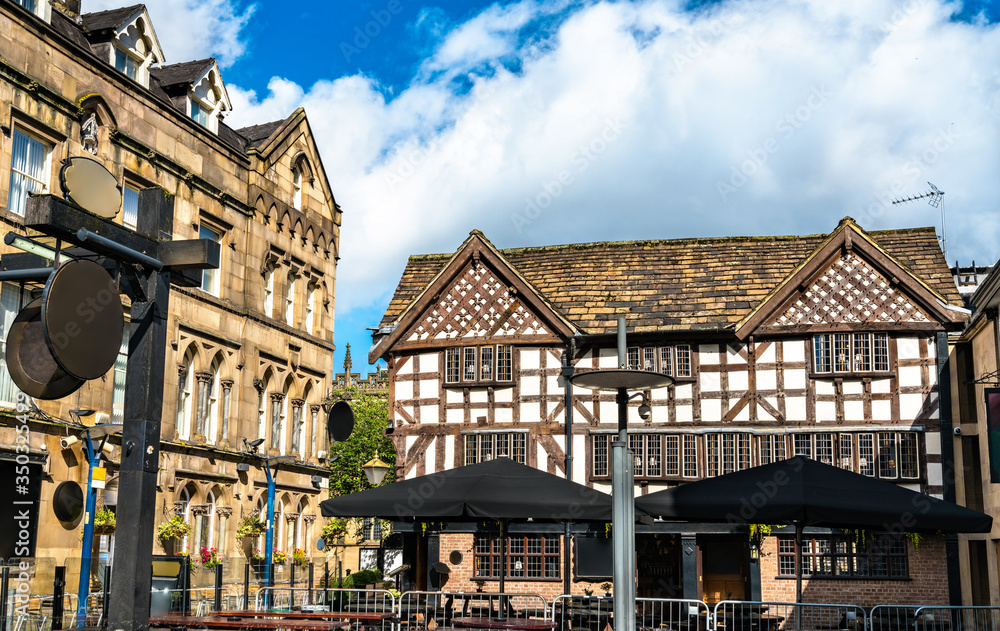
x: 853, y: 386
x: 907, y: 348
x: 429, y: 362
x: 449, y: 453
x: 683, y: 391
x: 909, y: 376
x: 404, y: 390
x: 854, y: 411
x: 762, y: 413
x: 824, y: 387
x: 910, y: 487
x: 708, y: 353
x: 684, y: 414
x: 503, y: 415
x: 768, y: 356
x: 478, y: 395
x: 608, y: 358
x: 602, y: 487
x: 881, y: 386
x: 428, y: 414
x: 932, y: 440
x: 530, y: 386
x: 739, y: 381
x: 453, y: 395
x: 767, y: 379
x: 429, y: 387
x: 795, y: 408
x: 430, y: 454
x: 503, y: 395
x: 609, y: 412
x: 405, y: 366
x: 530, y: 412
x: 825, y: 411
x: 710, y: 382
x: 661, y: 393
x: 455, y: 416
x: 934, y: 477
x: 711, y: 410
x: 795, y: 379
x: 744, y: 414
x: 553, y: 384
x: 910, y: 405
x: 793, y: 351
x: 529, y: 358
x: 881, y: 410
x: 734, y: 357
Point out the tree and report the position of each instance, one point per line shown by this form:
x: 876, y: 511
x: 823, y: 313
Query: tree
x: 371, y: 413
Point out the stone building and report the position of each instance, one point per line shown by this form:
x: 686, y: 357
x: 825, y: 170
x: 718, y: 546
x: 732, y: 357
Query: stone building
x: 825, y: 346
x: 976, y: 410
x: 250, y: 348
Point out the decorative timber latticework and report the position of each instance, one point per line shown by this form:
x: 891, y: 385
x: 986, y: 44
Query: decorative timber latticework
x: 851, y: 291
x: 478, y: 305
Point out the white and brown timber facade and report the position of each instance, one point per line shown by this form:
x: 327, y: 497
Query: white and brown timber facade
x: 250, y: 350
x: 823, y: 345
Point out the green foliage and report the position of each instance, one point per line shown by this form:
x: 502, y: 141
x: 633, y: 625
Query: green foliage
x: 333, y: 531
x: 759, y: 531
x: 250, y: 526
x: 104, y: 522
x: 360, y: 579
x: 174, y: 528
x: 371, y: 414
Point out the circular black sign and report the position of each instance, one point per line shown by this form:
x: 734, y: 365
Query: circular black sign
x: 67, y: 501
x: 83, y: 318
x: 29, y: 360
x: 340, y: 421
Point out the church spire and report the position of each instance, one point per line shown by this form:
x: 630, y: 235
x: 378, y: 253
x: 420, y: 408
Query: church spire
x: 347, y: 361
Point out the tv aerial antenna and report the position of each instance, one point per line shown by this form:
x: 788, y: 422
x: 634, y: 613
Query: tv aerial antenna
x: 935, y: 199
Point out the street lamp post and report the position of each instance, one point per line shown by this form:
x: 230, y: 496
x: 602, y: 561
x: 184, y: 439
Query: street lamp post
x: 269, y: 536
x: 623, y: 474
x: 93, y: 461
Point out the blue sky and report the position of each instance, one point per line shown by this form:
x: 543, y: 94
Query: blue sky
x: 669, y: 119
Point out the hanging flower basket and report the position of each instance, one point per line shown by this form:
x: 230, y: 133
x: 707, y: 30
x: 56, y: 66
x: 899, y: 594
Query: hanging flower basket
x: 104, y: 522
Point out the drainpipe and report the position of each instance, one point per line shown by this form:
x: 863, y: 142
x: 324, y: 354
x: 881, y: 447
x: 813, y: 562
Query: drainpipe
x: 567, y: 372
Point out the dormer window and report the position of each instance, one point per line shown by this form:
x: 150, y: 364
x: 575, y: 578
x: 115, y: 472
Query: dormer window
x: 134, y: 47
x: 38, y: 7
x: 127, y: 64
x: 199, y: 112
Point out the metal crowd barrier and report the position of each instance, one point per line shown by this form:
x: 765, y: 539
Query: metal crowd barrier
x: 892, y: 617
x: 595, y: 613
x: 734, y: 615
x: 933, y: 618
x: 589, y: 613
x: 417, y: 610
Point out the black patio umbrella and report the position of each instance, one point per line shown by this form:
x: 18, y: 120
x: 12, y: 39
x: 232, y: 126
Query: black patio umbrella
x: 803, y: 492
x: 499, y: 489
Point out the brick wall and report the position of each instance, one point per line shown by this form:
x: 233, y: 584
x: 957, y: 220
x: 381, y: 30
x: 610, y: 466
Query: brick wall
x: 928, y: 582
x: 461, y: 577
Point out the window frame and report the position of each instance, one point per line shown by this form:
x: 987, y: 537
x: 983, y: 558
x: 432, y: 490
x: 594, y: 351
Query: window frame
x: 518, y: 549
x: 849, y: 555
x: 825, y: 362
x: 513, y: 445
x: 459, y: 360
x: 48, y: 145
x: 214, y: 274
x: 654, y: 445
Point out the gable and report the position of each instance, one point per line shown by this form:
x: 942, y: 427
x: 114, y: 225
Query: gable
x: 477, y: 304
x: 851, y: 291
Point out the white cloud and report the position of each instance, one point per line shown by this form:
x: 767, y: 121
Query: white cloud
x: 193, y: 29
x: 640, y: 120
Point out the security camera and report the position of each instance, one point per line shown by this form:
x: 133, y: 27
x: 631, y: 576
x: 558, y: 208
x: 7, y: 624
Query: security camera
x: 958, y: 431
x: 68, y: 441
x: 645, y: 411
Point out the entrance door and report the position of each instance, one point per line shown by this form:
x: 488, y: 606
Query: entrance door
x: 724, y: 567
x: 658, y: 566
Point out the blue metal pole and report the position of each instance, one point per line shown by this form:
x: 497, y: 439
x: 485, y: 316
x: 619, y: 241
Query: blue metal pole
x: 269, y: 537
x: 88, y: 534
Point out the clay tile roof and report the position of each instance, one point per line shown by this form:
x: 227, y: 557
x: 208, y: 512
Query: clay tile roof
x: 257, y: 134
x: 112, y: 18
x: 678, y: 284
x: 185, y: 72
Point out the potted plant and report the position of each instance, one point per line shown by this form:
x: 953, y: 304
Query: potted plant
x: 170, y: 531
x: 480, y: 583
x: 299, y: 558
x: 210, y: 558
x: 279, y: 556
x: 607, y: 589
x: 104, y: 522
x: 249, y: 528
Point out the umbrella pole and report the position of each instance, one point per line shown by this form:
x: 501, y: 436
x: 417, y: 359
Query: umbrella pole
x: 798, y: 563
x: 503, y: 564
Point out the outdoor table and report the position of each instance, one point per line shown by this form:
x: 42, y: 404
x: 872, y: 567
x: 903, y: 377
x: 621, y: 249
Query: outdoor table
x: 522, y: 624
x: 346, y: 617
x: 237, y: 622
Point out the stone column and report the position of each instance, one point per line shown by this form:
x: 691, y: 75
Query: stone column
x: 276, y: 426
x: 312, y: 446
x: 297, y: 437
x: 224, y: 513
x: 204, y: 383
x: 227, y: 388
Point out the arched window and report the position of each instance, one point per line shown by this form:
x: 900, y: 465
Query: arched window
x: 298, y: 427
x: 262, y: 413
x: 310, y: 308
x: 290, y: 301
x: 300, y: 526
x: 297, y: 187
x: 269, y: 292
x: 214, y: 389
x: 184, y: 510
x: 185, y: 401
x: 204, y: 526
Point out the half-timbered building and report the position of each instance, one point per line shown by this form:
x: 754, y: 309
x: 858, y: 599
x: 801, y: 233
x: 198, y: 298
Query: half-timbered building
x: 822, y: 345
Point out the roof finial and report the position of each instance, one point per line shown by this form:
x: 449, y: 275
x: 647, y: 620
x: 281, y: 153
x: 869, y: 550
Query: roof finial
x: 347, y: 360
